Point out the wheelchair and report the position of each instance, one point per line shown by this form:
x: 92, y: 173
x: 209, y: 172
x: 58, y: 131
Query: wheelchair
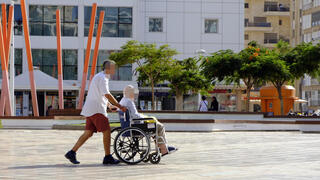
x: 133, y: 140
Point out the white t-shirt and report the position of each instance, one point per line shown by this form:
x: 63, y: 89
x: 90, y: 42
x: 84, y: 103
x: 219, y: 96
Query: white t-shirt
x: 129, y: 104
x: 96, y: 102
x: 203, y: 105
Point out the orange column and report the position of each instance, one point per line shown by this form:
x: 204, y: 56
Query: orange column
x: 86, y: 62
x: 7, y: 50
x: 5, y: 79
x: 4, y: 23
x: 29, y: 57
x: 59, y: 58
x: 96, y: 47
x: 9, y: 33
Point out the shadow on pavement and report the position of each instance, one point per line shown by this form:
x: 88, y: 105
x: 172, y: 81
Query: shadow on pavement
x: 65, y: 166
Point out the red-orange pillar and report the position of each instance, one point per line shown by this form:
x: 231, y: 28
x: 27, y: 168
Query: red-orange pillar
x: 4, y: 23
x: 5, y: 78
x: 29, y: 58
x: 59, y: 58
x: 86, y: 61
x: 96, y: 47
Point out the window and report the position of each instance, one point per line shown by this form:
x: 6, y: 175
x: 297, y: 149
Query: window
x: 42, y: 20
x: 17, y: 19
x: 315, y: 19
x: 155, y: 25
x: 246, y: 37
x: 17, y: 62
x: 280, y: 22
x: 117, y: 21
x: 46, y: 60
x: 123, y: 73
x: 246, y: 5
x: 211, y: 26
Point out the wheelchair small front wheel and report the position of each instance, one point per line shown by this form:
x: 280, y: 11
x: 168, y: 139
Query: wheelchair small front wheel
x: 154, y: 157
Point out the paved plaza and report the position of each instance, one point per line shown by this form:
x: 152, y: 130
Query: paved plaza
x: 39, y: 154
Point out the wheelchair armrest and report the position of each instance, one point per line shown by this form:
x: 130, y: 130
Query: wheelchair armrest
x: 139, y: 119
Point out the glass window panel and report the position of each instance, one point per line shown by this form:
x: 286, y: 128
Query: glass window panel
x: 50, y: 13
x: 35, y: 13
x: 50, y: 70
x: 70, y: 57
x: 70, y: 72
x: 36, y: 57
x: 49, y: 57
x: 17, y: 20
x: 36, y: 28
x: 70, y: 14
x: 125, y: 73
x: 18, y: 61
x: 86, y: 29
x: 103, y: 55
x: 211, y: 26
x: 111, y: 15
x: 125, y: 30
x: 125, y: 12
x: 109, y: 30
x: 155, y: 24
x: 49, y: 29
x: 87, y: 14
x: 70, y: 29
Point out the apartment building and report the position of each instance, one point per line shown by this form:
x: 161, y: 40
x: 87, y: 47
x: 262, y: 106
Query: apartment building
x: 187, y: 26
x: 267, y: 22
x: 310, y: 32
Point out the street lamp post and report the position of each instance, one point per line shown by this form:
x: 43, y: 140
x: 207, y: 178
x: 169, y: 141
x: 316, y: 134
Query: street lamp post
x: 199, y: 52
x: 12, y: 74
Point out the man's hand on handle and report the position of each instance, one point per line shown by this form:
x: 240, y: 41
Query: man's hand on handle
x: 114, y: 102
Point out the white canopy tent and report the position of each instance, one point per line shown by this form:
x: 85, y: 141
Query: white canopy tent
x: 43, y: 82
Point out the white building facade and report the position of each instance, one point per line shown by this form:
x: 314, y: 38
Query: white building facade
x: 186, y: 25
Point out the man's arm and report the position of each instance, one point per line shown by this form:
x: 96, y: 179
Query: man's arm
x: 113, y: 101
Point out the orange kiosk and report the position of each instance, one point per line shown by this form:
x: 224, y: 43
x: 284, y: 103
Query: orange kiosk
x: 270, y: 102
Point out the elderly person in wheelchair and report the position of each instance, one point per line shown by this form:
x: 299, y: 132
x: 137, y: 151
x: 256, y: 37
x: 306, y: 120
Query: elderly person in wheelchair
x: 128, y: 102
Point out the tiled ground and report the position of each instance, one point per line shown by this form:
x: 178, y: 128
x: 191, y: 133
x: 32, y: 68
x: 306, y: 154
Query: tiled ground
x: 39, y: 154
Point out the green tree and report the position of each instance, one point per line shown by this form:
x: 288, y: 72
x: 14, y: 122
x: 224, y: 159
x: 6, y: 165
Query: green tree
x: 276, y: 71
x: 185, y: 76
x: 284, y: 64
x: 152, y: 61
x: 234, y: 67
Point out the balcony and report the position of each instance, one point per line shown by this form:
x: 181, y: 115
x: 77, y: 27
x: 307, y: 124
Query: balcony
x: 308, y: 6
x: 276, y: 10
x: 258, y: 26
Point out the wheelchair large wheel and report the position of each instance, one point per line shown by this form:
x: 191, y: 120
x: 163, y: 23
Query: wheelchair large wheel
x: 131, y: 145
x: 114, y: 133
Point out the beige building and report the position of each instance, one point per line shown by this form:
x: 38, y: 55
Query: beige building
x: 267, y: 21
x: 310, y: 32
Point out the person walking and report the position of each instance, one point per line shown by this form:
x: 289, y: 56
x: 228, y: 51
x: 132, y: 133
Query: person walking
x: 95, y: 111
x: 203, y: 104
x: 214, y: 104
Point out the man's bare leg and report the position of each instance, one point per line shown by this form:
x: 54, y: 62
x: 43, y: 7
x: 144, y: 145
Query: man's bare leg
x: 82, y: 139
x: 106, y: 141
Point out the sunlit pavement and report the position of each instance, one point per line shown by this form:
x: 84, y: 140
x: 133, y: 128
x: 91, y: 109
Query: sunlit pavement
x: 39, y: 154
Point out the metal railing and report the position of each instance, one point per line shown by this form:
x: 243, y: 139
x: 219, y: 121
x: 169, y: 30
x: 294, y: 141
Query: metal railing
x: 270, y: 41
x: 276, y: 8
x: 257, y: 24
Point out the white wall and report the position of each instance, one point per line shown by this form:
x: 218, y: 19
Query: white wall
x: 184, y: 28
